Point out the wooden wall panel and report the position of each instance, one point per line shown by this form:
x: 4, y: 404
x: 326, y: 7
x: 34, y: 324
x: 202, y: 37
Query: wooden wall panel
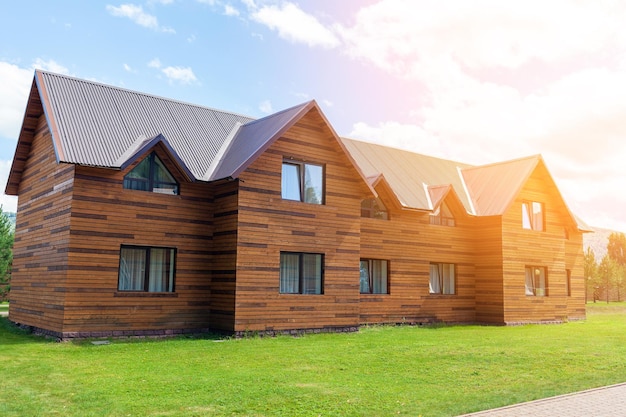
x: 268, y: 225
x: 547, y: 248
x: 40, y: 250
x: 105, y: 216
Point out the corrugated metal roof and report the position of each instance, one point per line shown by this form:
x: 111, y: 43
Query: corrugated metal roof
x: 407, y: 172
x: 493, y: 187
x: 97, y: 123
x: 253, y: 138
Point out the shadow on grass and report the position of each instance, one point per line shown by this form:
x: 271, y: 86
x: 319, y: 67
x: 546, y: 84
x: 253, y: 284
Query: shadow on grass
x: 11, y: 334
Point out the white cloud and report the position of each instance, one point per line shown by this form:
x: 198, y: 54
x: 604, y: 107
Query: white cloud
x: 16, y: 84
x: 128, y: 68
x: 180, y: 74
x: 266, y: 107
x: 293, y: 24
x: 8, y: 203
x: 51, y: 66
x: 500, y: 80
x: 138, y: 16
x: 230, y: 10
x: 155, y: 63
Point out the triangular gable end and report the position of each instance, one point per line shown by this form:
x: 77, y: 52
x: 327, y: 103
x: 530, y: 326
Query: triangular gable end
x: 382, y: 189
x: 440, y: 194
x: 144, y: 145
x: 34, y: 110
x: 252, y: 139
x: 493, y: 188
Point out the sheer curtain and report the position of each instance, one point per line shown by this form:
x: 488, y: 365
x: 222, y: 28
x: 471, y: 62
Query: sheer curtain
x: 311, y: 273
x: 289, y: 273
x: 435, y: 279
x: 132, y: 269
x: 161, y: 277
x: 379, y: 276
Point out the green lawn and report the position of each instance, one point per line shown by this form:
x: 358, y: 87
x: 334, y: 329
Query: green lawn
x: 4, y: 306
x: 379, y: 371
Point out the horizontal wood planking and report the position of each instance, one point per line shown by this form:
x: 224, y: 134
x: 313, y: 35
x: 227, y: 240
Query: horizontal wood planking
x: 42, y: 236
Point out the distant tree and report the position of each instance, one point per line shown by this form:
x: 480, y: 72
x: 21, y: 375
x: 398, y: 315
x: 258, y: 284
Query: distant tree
x: 6, y: 254
x: 591, y: 276
x: 608, y: 272
x: 616, y: 249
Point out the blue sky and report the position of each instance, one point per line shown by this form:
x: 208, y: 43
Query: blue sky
x: 479, y: 82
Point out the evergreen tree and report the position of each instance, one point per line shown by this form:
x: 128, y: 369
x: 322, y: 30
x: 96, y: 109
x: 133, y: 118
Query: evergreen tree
x: 6, y: 254
x: 591, y: 276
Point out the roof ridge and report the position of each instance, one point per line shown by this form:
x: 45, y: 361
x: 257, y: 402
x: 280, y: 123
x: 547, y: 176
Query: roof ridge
x: 140, y: 93
x: 530, y: 157
x: 464, y: 164
x: 306, y: 103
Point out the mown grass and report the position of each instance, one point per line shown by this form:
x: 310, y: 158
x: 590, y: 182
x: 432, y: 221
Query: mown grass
x: 4, y: 307
x: 379, y: 371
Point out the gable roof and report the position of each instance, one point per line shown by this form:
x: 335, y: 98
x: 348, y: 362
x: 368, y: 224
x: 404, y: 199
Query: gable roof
x: 493, y: 187
x: 407, y: 172
x: 95, y: 124
x: 250, y: 140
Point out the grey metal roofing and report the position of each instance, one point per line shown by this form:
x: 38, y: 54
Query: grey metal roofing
x: 95, y: 124
x: 408, y: 174
x: 252, y: 139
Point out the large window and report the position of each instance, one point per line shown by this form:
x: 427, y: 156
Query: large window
x: 151, y: 175
x: 532, y: 215
x: 442, y: 278
x: 536, y: 281
x: 303, y: 182
x: 301, y: 273
x: 146, y: 269
x: 374, y: 209
x: 374, y: 273
x: 443, y: 216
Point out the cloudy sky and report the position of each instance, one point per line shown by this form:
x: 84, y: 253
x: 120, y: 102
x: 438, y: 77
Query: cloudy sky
x: 477, y: 81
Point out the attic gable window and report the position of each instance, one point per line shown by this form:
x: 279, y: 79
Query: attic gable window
x: 151, y: 175
x: 533, y: 215
x: 443, y: 216
x: 302, y: 182
x: 373, y: 208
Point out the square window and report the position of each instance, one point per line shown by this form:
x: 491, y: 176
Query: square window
x: 535, y: 281
x: 146, y: 269
x: 374, y: 276
x: 303, y: 182
x: 532, y: 215
x: 301, y: 273
x: 442, y: 278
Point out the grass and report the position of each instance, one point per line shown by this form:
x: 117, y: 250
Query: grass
x: 379, y: 371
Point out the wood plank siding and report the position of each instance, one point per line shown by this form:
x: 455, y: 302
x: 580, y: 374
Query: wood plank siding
x: 42, y: 235
x: 73, y: 220
x: 548, y: 248
x: 268, y: 225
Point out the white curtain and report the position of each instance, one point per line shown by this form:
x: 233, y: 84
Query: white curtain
x: 530, y: 282
x: 132, y: 269
x: 379, y: 276
x: 289, y: 273
x: 311, y: 273
x: 442, y: 279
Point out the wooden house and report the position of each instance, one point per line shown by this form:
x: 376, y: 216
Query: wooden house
x: 139, y: 215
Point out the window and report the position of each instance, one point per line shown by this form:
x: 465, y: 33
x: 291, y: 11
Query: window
x: 374, y: 273
x: 303, y: 182
x: 442, y: 279
x: 151, y: 175
x: 146, y: 269
x: 301, y: 273
x: 536, y: 281
x: 374, y: 209
x: 532, y: 215
x: 443, y: 216
x: 568, y: 282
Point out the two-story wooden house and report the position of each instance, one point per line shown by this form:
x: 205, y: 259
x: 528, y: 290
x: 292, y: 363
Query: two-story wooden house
x: 139, y: 215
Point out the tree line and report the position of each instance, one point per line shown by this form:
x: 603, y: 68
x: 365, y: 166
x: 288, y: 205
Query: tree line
x: 7, y: 234
x: 606, y: 278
